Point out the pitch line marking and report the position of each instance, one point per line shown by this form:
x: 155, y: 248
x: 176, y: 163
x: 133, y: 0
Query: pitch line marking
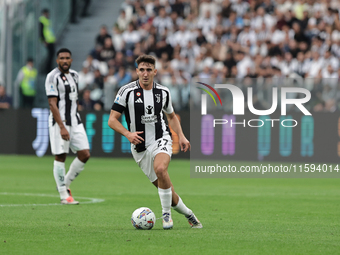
x: 92, y: 200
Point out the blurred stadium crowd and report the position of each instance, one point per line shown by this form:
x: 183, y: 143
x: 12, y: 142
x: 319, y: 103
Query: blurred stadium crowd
x: 261, y: 43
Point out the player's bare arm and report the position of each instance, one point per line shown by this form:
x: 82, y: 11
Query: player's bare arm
x: 52, y: 101
x: 176, y: 126
x: 115, y: 124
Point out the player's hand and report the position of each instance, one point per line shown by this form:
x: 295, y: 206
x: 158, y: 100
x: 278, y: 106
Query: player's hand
x: 134, y: 137
x: 184, y: 143
x: 64, y: 134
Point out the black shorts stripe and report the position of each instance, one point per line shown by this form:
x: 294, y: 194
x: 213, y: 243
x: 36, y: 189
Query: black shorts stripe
x: 78, y: 118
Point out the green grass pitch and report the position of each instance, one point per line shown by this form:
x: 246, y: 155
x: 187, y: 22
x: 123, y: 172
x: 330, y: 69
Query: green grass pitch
x: 240, y: 216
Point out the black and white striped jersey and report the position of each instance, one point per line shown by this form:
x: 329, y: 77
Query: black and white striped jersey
x: 144, y: 111
x: 64, y: 86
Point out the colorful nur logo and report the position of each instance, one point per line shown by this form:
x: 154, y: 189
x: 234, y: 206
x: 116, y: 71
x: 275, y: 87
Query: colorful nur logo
x: 207, y: 91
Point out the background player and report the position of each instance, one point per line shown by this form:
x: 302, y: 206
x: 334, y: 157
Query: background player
x: 65, y: 127
x: 144, y: 102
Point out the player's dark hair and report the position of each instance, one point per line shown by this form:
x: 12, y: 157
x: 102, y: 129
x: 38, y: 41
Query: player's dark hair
x: 63, y: 50
x: 45, y: 10
x: 146, y: 58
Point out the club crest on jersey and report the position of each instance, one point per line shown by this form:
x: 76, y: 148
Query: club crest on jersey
x: 138, y: 94
x: 158, y: 98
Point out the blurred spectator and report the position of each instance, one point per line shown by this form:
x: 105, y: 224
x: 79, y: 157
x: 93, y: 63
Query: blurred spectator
x: 206, y: 23
x: 299, y: 35
x: 226, y: 9
x: 98, y: 82
x: 118, y: 61
x: 329, y: 59
x: 131, y: 36
x: 176, y: 20
x: 208, y: 6
x: 110, y: 89
x: 5, y: 101
x: 143, y: 18
x: 315, y: 65
x: 246, y: 35
x: 156, y: 7
x: 47, y: 36
x: 240, y: 7
x: 178, y: 7
x: 200, y: 39
x: 181, y: 37
x: 86, y: 78
x: 117, y: 40
x: 26, y: 80
x: 190, y: 50
x: 122, y: 21
x: 91, y: 64
x: 96, y: 88
x: 122, y: 76
x: 87, y: 104
x: 108, y: 51
x: 103, y: 34
x: 162, y: 22
x: 130, y: 60
x: 244, y: 62
x: 190, y: 22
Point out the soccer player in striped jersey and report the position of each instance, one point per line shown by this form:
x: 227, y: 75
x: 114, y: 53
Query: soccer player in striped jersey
x: 65, y: 126
x: 144, y: 102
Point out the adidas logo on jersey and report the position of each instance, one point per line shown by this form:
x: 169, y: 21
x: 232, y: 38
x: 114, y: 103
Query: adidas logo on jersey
x: 139, y: 100
x: 164, y: 149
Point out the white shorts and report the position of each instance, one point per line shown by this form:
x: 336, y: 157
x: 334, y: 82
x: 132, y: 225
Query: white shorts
x: 78, y: 139
x: 145, y: 158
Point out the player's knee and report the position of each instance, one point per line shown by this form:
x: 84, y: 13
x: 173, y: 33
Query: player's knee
x: 60, y: 157
x: 84, y: 156
x: 160, y: 170
x: 87, y: 155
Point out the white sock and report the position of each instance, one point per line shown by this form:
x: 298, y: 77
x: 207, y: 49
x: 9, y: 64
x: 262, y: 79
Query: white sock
x: 75, y: 168
x: 59, y: 176
x: 182, y: 208
x: 165, y: 196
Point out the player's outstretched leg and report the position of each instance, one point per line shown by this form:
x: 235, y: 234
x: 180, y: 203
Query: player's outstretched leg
x: 161, y: 163
x: 181, y: 208
x: 76, y: 167
x: 59, y: 176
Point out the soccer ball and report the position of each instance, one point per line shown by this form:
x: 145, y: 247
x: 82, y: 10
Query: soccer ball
x: 143, y: 218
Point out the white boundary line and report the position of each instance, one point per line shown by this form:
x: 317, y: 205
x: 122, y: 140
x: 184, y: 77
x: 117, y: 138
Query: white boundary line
x: 92, y: 200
